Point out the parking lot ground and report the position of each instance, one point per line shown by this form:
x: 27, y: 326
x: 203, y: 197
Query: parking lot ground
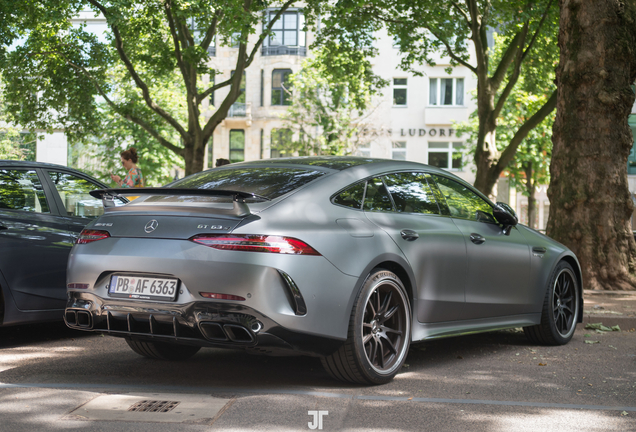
x: 486, y: 382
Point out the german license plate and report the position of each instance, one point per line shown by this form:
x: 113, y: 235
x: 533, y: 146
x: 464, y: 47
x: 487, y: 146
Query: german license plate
x: 143, y: 288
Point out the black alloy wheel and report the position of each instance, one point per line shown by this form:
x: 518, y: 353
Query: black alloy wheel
x: 379, y: 333
x: 564, y: 302
x: 561, y: 309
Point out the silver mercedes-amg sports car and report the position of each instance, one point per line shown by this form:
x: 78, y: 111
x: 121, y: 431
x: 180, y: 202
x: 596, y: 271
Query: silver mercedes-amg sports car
x: 350, y: 259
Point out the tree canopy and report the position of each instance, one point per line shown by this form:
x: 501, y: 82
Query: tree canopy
x: 461, y: 34
x: 331, y: 101
x: 58, y: 72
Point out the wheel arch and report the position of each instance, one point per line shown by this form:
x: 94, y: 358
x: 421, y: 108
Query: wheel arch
x: 579, y: 276
x: 393, y: 263
x: 402, y: 274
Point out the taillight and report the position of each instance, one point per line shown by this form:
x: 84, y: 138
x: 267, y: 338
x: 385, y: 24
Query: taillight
x: 89, y: 236
x: 255, y: 243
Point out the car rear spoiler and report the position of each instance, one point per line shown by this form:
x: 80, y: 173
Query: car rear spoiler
x: 240, y: 208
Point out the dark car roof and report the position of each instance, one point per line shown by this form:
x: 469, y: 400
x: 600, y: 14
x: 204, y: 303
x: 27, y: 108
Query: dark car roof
x: 29, y: 164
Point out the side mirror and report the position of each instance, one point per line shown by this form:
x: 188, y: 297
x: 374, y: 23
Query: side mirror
x: 506, y: 216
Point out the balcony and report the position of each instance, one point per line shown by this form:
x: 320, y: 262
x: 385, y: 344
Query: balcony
x: 239, y: 113
x: 239, y: 110
x: 284, y: 50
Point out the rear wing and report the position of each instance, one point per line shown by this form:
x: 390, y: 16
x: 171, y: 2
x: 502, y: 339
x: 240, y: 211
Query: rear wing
x: 240, y: 208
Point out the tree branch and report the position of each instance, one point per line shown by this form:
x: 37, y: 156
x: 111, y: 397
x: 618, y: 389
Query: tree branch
x: 214, y: 88
x: 265, y: 33
x: 509, y: 153
x: 146, y: 126
x: 177, y: 46
x: 209, y: 34
x: 119, y: 45
x: 461, y: 12
x: 475, y: 27
x: 536, y: 33
x: 451, y: 53
x: 515, y: 45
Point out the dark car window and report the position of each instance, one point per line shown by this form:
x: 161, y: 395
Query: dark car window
x: 351, y: 197
x: 22, y: 190
x: 270, y: 182
x: 74, y: 192
x: 411, y: 193
x: 463, y: 202
x: 377, y: 197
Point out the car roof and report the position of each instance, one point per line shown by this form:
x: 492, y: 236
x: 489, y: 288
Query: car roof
x: 32, y: 164
x: 338, y: 163
x: 4, y: 163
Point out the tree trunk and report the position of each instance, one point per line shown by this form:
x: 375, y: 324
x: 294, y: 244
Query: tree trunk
x: 194, y: 156
x: 590, y: 201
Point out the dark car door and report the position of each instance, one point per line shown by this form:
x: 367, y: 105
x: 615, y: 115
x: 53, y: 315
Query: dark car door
x: 35, y: 241
x: 404, y: 206
x: 498, y: 273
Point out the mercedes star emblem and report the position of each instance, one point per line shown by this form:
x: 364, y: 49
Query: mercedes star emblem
x: 151, y: 226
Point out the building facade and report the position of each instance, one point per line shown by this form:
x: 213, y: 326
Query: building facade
x: 414, y: 119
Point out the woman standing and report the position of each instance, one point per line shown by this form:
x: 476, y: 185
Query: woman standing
x: 134, y: 178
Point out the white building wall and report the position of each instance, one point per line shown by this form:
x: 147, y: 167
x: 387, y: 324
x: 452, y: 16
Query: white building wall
x: 52, y: 148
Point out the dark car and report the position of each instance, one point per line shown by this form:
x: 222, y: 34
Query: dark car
x: 43, y: 208
x: 348, y: 259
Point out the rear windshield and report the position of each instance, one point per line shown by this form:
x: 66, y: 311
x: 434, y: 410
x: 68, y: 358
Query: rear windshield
x: 268, y: 182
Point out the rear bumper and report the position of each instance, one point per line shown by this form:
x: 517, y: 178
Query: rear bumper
x: 206, y: 324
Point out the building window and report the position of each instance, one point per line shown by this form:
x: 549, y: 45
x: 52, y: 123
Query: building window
x: 445, y: 155
x: 281, y: 87
x: 198, y: 34
x: 288, y: 36
x: 212, y: 83
x: 262, y: 87
x: 260, y: 155
x: 364, y: 151
x: 239, y: 107
x: 211, y: 152
x: 446, y: 91
x: 280, y: 143
x: 398, y: 150
x: 399, y: 91
x: 237, y: 145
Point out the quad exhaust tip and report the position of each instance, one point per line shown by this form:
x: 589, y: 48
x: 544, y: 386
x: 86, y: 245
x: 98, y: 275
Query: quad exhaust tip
x: 79, y: 318
x: 218, y: 332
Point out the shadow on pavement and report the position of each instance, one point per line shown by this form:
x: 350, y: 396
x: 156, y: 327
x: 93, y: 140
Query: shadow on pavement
x: 21, y: 335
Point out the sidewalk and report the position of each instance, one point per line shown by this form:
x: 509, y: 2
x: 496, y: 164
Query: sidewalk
x: 610, y: 308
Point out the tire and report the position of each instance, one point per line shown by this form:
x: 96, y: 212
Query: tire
x: 560, y: 311
x: 162, y: 350
x: 379, y: 333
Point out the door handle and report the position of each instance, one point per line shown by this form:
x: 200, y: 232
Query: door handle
x: 409, y: 235
x: 477, y: 238
x: 539, y: 250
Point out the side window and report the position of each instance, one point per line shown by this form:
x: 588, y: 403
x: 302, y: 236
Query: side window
x: 411, y: 193
x: 74, y: 192
x: 351, y: 197
x: 22, y: 190
x: 462, y: 202
x: 377, y: 197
